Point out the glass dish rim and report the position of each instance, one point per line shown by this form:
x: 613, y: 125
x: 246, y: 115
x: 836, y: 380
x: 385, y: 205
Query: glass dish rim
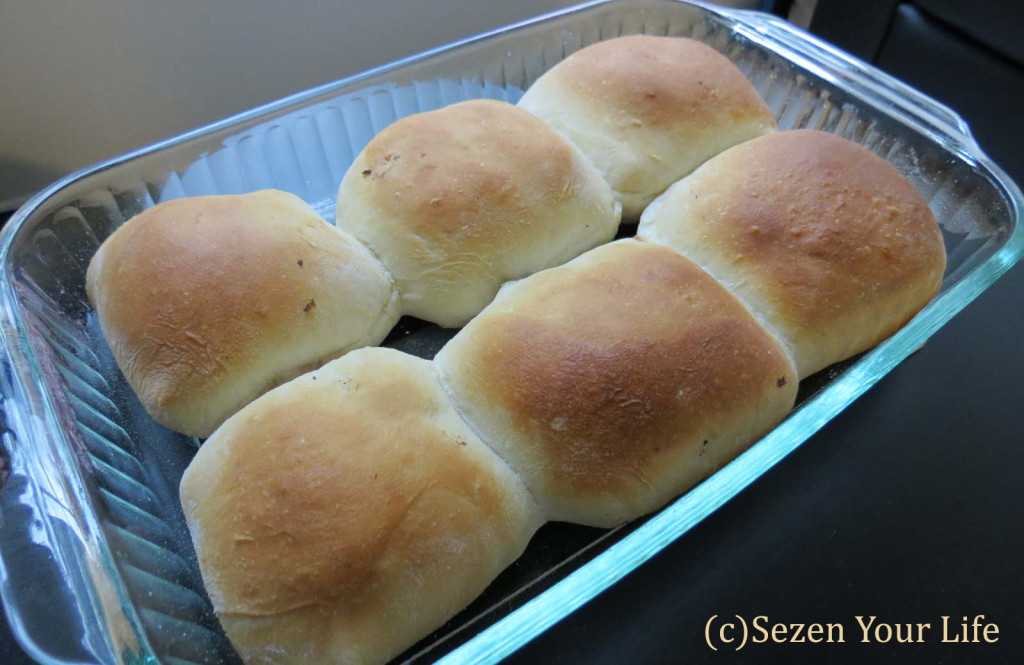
x: 928, y: 117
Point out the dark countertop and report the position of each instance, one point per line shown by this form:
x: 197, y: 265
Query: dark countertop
x: 908, y: 507
x: 10, y: 652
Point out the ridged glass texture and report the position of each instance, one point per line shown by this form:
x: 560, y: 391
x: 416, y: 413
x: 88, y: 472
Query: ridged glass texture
x: 90, y: 508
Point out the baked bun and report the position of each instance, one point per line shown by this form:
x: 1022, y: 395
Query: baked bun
x: 827, y: 243
x: 207, y: 302
x: 648, y: 110
x: 617, y: 381
x: 459, y: 200
x: 348, y: 513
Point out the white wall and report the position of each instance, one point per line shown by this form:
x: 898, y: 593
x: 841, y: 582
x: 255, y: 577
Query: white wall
x: 84, y: 80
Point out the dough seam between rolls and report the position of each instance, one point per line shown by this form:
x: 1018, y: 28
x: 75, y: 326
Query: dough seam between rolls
x: 754, y: 312
x: 443, y: 381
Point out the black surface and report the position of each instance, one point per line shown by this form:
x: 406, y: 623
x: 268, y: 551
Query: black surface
x: 10, y: 652
x: 984, y: 87
x: 908, y: 506
x: 856, y: 27
x: 991, y: 22
x: 37, y: 583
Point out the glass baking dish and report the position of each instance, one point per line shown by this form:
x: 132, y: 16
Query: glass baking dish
x: 95, y: 563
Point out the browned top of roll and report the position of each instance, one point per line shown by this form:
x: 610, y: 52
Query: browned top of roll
x: 660, y: 79
x: 447, y: 171
x: 850, y: 214
x: 315, y: 485
x: 345, y: 514
x: 457, y: 201
x: 595, y: 379
x: 170, y: 251
x: 829, y: 240
x: 648, y: 110
x: 208, y: 301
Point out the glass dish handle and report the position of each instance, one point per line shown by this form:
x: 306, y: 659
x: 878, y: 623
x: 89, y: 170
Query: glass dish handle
x: 50, y: 575
x: 863, y: 79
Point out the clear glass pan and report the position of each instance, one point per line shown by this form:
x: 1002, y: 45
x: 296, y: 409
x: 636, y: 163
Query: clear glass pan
x: 95, y: 562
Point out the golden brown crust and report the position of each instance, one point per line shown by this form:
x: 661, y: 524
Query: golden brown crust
x: 660, y: 81
x: 208, y: 301
x: 617, y: 381
x: 447, y: 172
x: 648, y: 110
x: 344, y: 515
x: 456, y: 201
x: 831, y: 244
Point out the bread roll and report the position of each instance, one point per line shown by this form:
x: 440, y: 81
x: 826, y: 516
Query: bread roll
x: 459, y: 200
x: 648, y: 110
x: 830, y: 245
x: 617, y: 381
x: 207, y: 302
x: 348, y: 513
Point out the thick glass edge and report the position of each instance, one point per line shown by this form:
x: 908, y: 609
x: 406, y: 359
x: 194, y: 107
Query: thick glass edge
x: 932, y: 118
x: 36, y: 201
x: 672, y: 522
x: 926, y: 113
x: 13, y: 335
x: 28, y: 430
x: 15, y: 429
